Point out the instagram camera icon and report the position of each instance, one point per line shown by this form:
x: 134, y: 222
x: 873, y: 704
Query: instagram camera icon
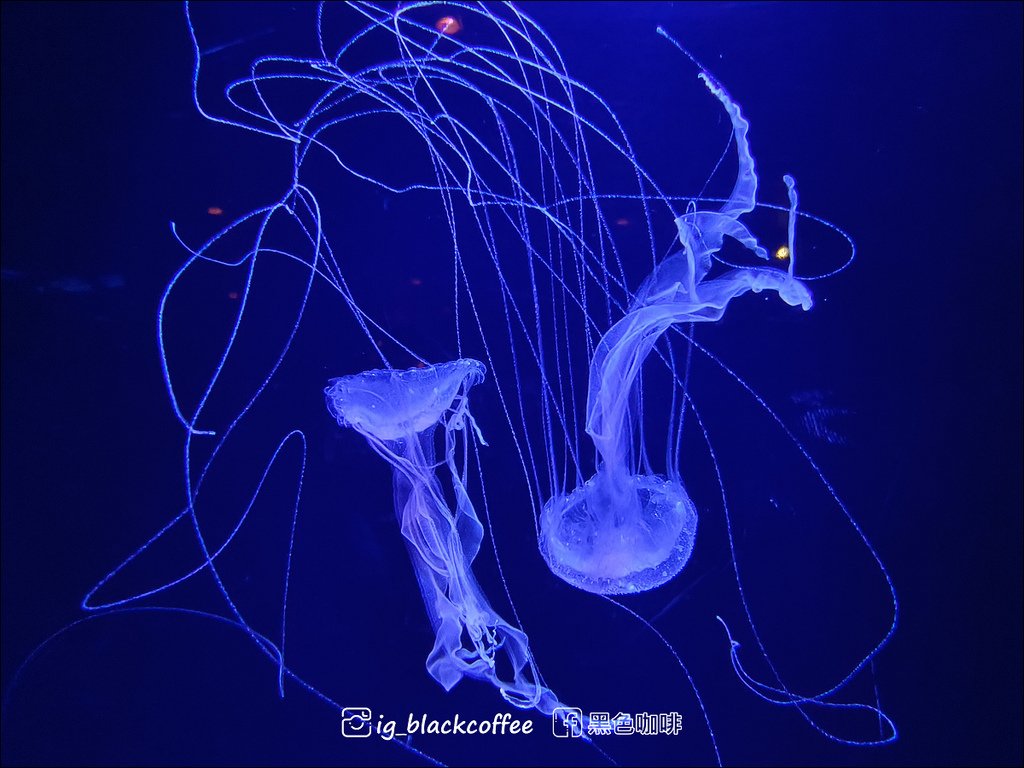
x: 355, y: 722
x: 567, y: 723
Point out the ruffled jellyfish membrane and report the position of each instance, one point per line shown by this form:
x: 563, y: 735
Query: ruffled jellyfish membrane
x: 622, y: 532
x: 398, y: 413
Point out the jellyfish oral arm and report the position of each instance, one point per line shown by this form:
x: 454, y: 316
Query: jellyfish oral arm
x: 617, y: 361
x: 441, y: 555
x: 677, y: 291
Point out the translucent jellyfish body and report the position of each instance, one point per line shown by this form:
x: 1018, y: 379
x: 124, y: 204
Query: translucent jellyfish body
x: 622, y: 532
x: 398, y: 412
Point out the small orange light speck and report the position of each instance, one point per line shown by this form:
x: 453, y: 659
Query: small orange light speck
x: 782, y: 252
x: 448, y: 25
x: 213, y: 210
x: 232, y: 295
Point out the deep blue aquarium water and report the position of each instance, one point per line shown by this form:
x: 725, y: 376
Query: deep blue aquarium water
x: 642, y: 376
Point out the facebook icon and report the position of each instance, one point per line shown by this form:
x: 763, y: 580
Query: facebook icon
x: 567, y: 722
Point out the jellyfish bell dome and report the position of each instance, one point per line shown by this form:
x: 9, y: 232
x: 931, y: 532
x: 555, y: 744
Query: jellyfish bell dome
x: 391, y: 405
x: 615, y: 536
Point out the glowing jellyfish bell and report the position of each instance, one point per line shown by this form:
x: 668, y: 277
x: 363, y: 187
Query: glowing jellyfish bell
x: 398, y: 413
x: 622, y: 532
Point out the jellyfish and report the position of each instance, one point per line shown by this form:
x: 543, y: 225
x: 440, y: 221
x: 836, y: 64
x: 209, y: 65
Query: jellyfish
x: 398, y: 412
x: 619, y: 532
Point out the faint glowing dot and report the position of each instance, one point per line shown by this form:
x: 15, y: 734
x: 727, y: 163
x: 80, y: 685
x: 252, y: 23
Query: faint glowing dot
x: 782, y: 252
x: 622, y: 222
x: 213, y: 210
x: 415, y: 281
x: 448, y: 25
x: 232, y: 295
